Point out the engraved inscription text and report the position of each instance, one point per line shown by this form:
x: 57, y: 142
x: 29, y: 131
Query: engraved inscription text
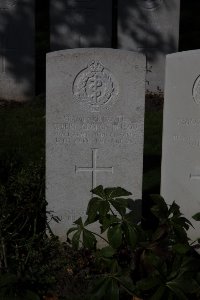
x: 98, y: 130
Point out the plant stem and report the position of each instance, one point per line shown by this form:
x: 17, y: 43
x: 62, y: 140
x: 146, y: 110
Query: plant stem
x: 4, y: 253
x: 99, y: 236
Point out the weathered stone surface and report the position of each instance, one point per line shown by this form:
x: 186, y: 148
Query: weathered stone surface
x: 95, y: 116
x: 152, y: 27
x: 17, y: 50
x: 80, y: 23
x: 181, y: 134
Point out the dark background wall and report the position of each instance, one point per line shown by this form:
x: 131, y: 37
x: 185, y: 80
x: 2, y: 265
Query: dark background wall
x: 42, y: 42
x: 189, y: 25
x: 189, y: 33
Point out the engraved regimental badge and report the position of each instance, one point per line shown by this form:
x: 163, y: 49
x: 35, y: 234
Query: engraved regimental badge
x: 196, y: 90
x: 149, y: 4
x: 95, y: 87
x: 6, y: 4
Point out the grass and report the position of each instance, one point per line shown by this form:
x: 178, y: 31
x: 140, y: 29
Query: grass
x: 22, y: 136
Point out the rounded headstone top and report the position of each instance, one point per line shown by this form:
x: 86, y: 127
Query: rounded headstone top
x: 6, y: 4
x: 149, y: 4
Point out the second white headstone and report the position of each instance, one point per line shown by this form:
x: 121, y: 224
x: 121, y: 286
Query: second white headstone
x: 180, y: 180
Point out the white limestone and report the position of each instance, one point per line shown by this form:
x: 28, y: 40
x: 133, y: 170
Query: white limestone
x: 94, y: 129
x: 181, y: 134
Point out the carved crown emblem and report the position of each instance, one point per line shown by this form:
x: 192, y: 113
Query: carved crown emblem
x: 96, y: 67
x: 95, y: 87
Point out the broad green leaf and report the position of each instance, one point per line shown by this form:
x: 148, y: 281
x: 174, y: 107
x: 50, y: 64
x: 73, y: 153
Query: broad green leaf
x: 160, y: 232
x: 134, y: 204
x: 107, y: 221
x: 182, y: 221
x: 157, y: 199
x: 112, y: 290
x: 104, y: 208
x: 126, y: 282
x: 116, y: 192
x: 175, y: 289
x: 181, y: 248
x: 114, y: 266
x: 107, y: 252
x: 160, y: 292
x: 148, y: 283
x: 174, y: 209
x: 160, y: 209
x: 99, y: 288
x: 189, y: 264
x: 92, y: 210
x: 130, y: 234
x: 97, y: 208
x: 99, y: 191
x: 79, y: 222
x: 136, y: 207
x: 71, y: 230
x: 180, y: 233
x: 133, y: 217
x: 76, y: 239
x: 196, y: 217
x: 187, y: 284
x: 89, y: 240
x: 119, y: 206
x: 121, y: 201
x: 91, y: 219
x: 154, y: 260
x: 115, y: 235
x: 105, y: 288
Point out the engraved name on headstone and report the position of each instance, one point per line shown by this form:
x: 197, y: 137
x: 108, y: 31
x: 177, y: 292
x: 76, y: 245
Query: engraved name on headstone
x: 181, y: 134
x: 80, y: 23
x: 94, y: 129
x: 152, y: 27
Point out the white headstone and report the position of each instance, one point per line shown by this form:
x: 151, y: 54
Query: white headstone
x: 80, y: 23
x: 94, y: 129
x: 181, y: 134
x: 17, y: 50
x: 151, y: 27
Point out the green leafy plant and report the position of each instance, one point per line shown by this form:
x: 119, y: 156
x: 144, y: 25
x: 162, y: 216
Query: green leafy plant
x: 151, y: 264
